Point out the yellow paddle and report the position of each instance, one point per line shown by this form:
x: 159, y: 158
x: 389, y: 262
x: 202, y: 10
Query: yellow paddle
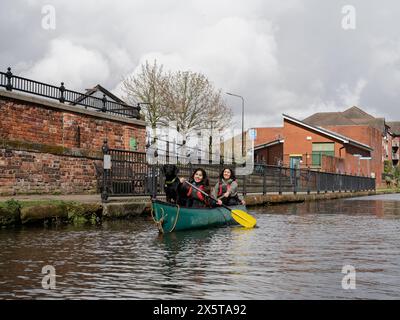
x: 240, y: 216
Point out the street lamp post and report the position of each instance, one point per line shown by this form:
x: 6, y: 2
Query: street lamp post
x: 210, y: 142
x: 236, y: 95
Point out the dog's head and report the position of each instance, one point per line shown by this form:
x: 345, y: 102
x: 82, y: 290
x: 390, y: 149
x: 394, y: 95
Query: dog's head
x: 170, y: 171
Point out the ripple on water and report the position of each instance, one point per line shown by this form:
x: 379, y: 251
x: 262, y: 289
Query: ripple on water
x: 296, y: 252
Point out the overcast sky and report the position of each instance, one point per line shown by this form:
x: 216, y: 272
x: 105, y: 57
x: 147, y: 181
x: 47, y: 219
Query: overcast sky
x: 291, y: 56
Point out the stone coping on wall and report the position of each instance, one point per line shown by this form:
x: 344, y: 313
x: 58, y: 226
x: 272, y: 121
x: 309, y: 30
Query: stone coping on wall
x: 68, y: 108
x: 50, y: 149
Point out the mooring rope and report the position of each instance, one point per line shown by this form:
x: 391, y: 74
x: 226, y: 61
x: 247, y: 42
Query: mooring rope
x: 176, y: 219
x: 160, y: 222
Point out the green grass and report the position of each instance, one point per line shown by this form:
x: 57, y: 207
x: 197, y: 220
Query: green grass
x: 394, y: 190
x: 32, y: 203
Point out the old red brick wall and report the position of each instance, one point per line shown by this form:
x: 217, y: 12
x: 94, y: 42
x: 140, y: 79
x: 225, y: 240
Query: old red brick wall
x: 24, y: 121
x: 24, y: 172
x: 299, y: 140
x: 332, y: 164
x: 370, y: 136
x: 265, y: 135
x: 50, y: 148
x: 270, y: 155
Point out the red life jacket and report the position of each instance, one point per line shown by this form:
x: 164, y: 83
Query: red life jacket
x: 193, y: 193
x: 221, y: 190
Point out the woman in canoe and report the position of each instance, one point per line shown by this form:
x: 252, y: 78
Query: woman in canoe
x: 226, y: 189
x: 194, y: 197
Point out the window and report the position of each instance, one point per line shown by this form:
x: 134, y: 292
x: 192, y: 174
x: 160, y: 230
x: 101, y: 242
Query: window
x: 133, y: 144
x: 322, y: 148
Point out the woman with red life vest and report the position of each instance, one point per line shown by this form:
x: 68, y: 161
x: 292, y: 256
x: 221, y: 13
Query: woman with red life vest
x: 194, y: 197
x: 226, y: 189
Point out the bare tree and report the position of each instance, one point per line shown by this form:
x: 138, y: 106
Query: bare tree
x: 147, y: 87
x: 186, y: 98
x: 218, y: 112
x: 193, y: 101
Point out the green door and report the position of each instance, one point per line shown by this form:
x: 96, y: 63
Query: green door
x: 295, y: 162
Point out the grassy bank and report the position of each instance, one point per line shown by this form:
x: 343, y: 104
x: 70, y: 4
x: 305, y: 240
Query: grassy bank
x: 23, y: 212
x: 14, y: 212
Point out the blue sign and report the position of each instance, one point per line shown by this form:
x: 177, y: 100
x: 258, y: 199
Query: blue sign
x: 253, y: 134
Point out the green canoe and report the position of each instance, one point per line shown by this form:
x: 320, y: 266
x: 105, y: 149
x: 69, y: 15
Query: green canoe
x: 170, y: 217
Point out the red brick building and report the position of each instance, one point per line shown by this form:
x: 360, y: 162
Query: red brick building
x: 319, y: 148
x: 395, y: 133
x: 351, y: 141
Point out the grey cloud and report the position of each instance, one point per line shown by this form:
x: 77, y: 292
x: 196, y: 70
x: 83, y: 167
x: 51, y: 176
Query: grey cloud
x: 282, y: 56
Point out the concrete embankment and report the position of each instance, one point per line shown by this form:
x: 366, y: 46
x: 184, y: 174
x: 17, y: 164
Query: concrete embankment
x: 268, y: 199
x: 18, y: 212
x: 82, y: 209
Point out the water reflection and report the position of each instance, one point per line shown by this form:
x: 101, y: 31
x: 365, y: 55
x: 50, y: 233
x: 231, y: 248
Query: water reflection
x: 297, y: 252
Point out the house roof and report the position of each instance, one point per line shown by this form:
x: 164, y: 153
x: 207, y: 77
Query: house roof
x: 351, y: 116
x: 99, y: 88
x: 356, y: 113
x: 269, y: 144
x: 395, y: 127
x: 334, y: 135
x: 328, y: 118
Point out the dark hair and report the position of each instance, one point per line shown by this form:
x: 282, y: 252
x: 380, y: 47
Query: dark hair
x: 205, y: 180
x: 221, y: 175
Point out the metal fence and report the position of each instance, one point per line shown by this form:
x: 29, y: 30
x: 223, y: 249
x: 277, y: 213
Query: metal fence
x: 132, y: 175
x: 11, y: 82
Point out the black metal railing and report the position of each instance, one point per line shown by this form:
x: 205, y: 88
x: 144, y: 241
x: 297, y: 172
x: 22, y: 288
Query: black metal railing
x: 131, y: 174
x: 11, y: 82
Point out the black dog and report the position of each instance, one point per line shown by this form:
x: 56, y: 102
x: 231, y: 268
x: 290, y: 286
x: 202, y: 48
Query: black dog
x: 175, y: 191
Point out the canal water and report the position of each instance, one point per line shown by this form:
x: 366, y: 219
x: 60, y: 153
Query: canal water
x: 298, y: 251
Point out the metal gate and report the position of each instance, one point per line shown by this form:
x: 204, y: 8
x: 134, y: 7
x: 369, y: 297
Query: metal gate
x: 126, y: 173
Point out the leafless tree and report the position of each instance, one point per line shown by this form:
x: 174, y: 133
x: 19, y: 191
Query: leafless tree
x: 147, y: 87
x: 183, y: 97
x: 193, y: 102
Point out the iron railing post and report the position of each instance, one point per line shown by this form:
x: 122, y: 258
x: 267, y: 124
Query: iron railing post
x: 62, y: 90
x: 244, y: 185
x: 104, y: 101
x: 280, y: 180
x: 105, y: 149
x: 308, y: 181
x: 9, y: 75
x: 326, y: 182
x: 264, y: 179
x: 153, y: 182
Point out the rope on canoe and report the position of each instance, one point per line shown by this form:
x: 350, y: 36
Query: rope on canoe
x: 160, y: 222
x: 176, y: 219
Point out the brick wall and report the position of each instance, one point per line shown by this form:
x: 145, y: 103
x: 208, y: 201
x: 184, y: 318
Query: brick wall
x: 299, y: 140
x: 27, y: 121
x: 270, y: 155
x: 370, y: 136
x: 48, y: 147
x: 265, y: 135
x: 24, y: 172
